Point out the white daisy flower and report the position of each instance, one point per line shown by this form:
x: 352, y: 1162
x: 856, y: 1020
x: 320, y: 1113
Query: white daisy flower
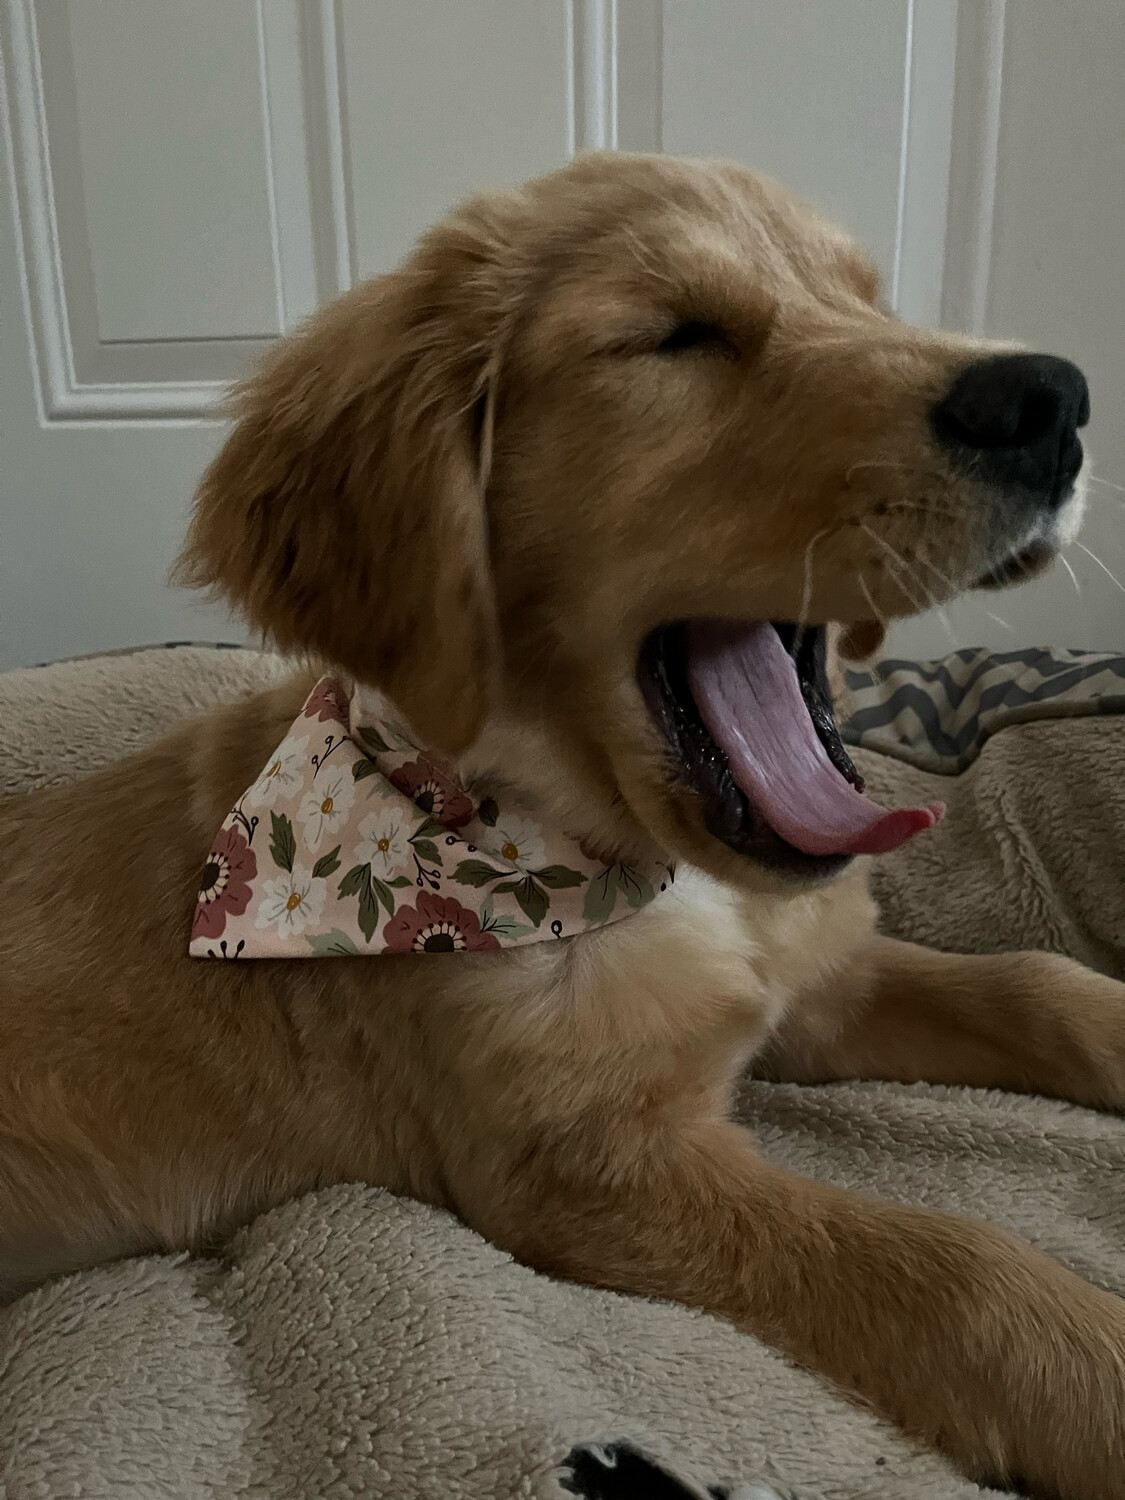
x: 384, y: 844
x: 325, y: 809
x: 292, y: 902
x: 283, y: 775
x: 518, y: 840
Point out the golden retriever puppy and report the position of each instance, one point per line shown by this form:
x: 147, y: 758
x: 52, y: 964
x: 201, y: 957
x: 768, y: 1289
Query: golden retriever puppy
x: 578, y: 491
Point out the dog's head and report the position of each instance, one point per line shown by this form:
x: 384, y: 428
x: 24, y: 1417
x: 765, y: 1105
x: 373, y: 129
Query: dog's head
x: 582, y: 484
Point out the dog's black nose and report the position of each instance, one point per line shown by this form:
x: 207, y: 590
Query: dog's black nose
x: 1014, y: 418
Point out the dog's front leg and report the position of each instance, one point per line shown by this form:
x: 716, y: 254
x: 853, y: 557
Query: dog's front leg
x: 968, y: 1339
x: 1034, y: 1022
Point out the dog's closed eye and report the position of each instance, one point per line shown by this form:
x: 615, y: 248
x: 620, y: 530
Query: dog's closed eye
x: 700, y: 335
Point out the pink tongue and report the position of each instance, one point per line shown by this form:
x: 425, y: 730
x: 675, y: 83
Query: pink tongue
x: 745, y: 686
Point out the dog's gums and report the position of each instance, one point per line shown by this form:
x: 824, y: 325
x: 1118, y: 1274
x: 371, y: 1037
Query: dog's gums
x: 746, y: 712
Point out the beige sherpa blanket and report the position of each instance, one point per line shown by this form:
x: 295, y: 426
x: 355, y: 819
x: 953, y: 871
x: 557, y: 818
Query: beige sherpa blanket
x: 353, y: 1344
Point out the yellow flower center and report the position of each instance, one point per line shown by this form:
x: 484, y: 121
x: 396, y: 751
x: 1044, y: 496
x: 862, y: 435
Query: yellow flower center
x: 326, y: 805
x: 293, y: 902
x: 382, y: 845
x: 510, y: 851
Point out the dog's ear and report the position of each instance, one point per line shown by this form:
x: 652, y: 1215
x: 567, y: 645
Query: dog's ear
x: 345, y: 515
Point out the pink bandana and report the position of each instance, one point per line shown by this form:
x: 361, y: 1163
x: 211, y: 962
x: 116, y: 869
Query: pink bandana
x: 353, y: 840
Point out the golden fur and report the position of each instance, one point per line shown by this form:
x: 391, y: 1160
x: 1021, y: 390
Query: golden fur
x: 478, y: 484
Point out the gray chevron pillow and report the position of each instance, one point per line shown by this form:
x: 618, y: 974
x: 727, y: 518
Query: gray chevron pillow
x: 938, y: 714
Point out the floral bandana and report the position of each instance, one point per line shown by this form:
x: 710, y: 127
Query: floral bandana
x: 354, y: 840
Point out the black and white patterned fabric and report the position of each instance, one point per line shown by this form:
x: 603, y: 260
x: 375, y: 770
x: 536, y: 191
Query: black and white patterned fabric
x: 938, y: 714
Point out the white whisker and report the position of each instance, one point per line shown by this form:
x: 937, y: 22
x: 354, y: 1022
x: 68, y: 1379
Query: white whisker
x: 806, y: 592
x: 1073, y: 575
x: 999, y: 621
x: 893, y: 467
x: 933, y: 567
x: 946, y: 625
x: 1097, y: 479
x: 1101, y: 565
x: 880, y: 618
x: 929, y: 598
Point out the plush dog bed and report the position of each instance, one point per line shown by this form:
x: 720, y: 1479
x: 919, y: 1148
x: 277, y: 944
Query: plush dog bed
x: 354, y: 1344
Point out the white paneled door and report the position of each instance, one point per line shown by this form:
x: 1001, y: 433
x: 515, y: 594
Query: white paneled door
x: 186, y: 179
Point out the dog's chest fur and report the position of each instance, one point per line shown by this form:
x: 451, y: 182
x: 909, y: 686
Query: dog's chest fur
x: 704, y: 973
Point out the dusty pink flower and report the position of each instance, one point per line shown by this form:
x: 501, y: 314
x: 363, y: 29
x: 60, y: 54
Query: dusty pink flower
x: 438, y: 924
x: 224, y: 886
x: 328, y: 703
x: 434, y: 790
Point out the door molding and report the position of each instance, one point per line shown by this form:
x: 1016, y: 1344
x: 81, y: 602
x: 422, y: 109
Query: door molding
x: 981, y: 47
x: 926, y: 146
x: 83, y: 378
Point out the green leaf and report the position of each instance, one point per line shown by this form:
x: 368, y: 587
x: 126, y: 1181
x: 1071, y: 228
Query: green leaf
x: 328, y: 863
x: 635, y: 888
x: 353, y: 880
x: 558, y: 877
x: 368, y: 906
x: 283, y: 846
x: 373, y: 740
x: 508, y: 927
x: 383, y: 894
x: 488, y: 812
x: 533, y: 899
x: 426, y: 849
x: 601, y: 896
x: 430, y: 829
x: 398, y: 737
x: 399, y: 881
x: 476, y: 872
x: 362, y: 768
x: 357, y: 882
x: 334, y: 944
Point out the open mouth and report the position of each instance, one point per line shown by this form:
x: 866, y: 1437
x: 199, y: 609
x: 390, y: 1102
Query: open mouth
x: 746, y: 712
